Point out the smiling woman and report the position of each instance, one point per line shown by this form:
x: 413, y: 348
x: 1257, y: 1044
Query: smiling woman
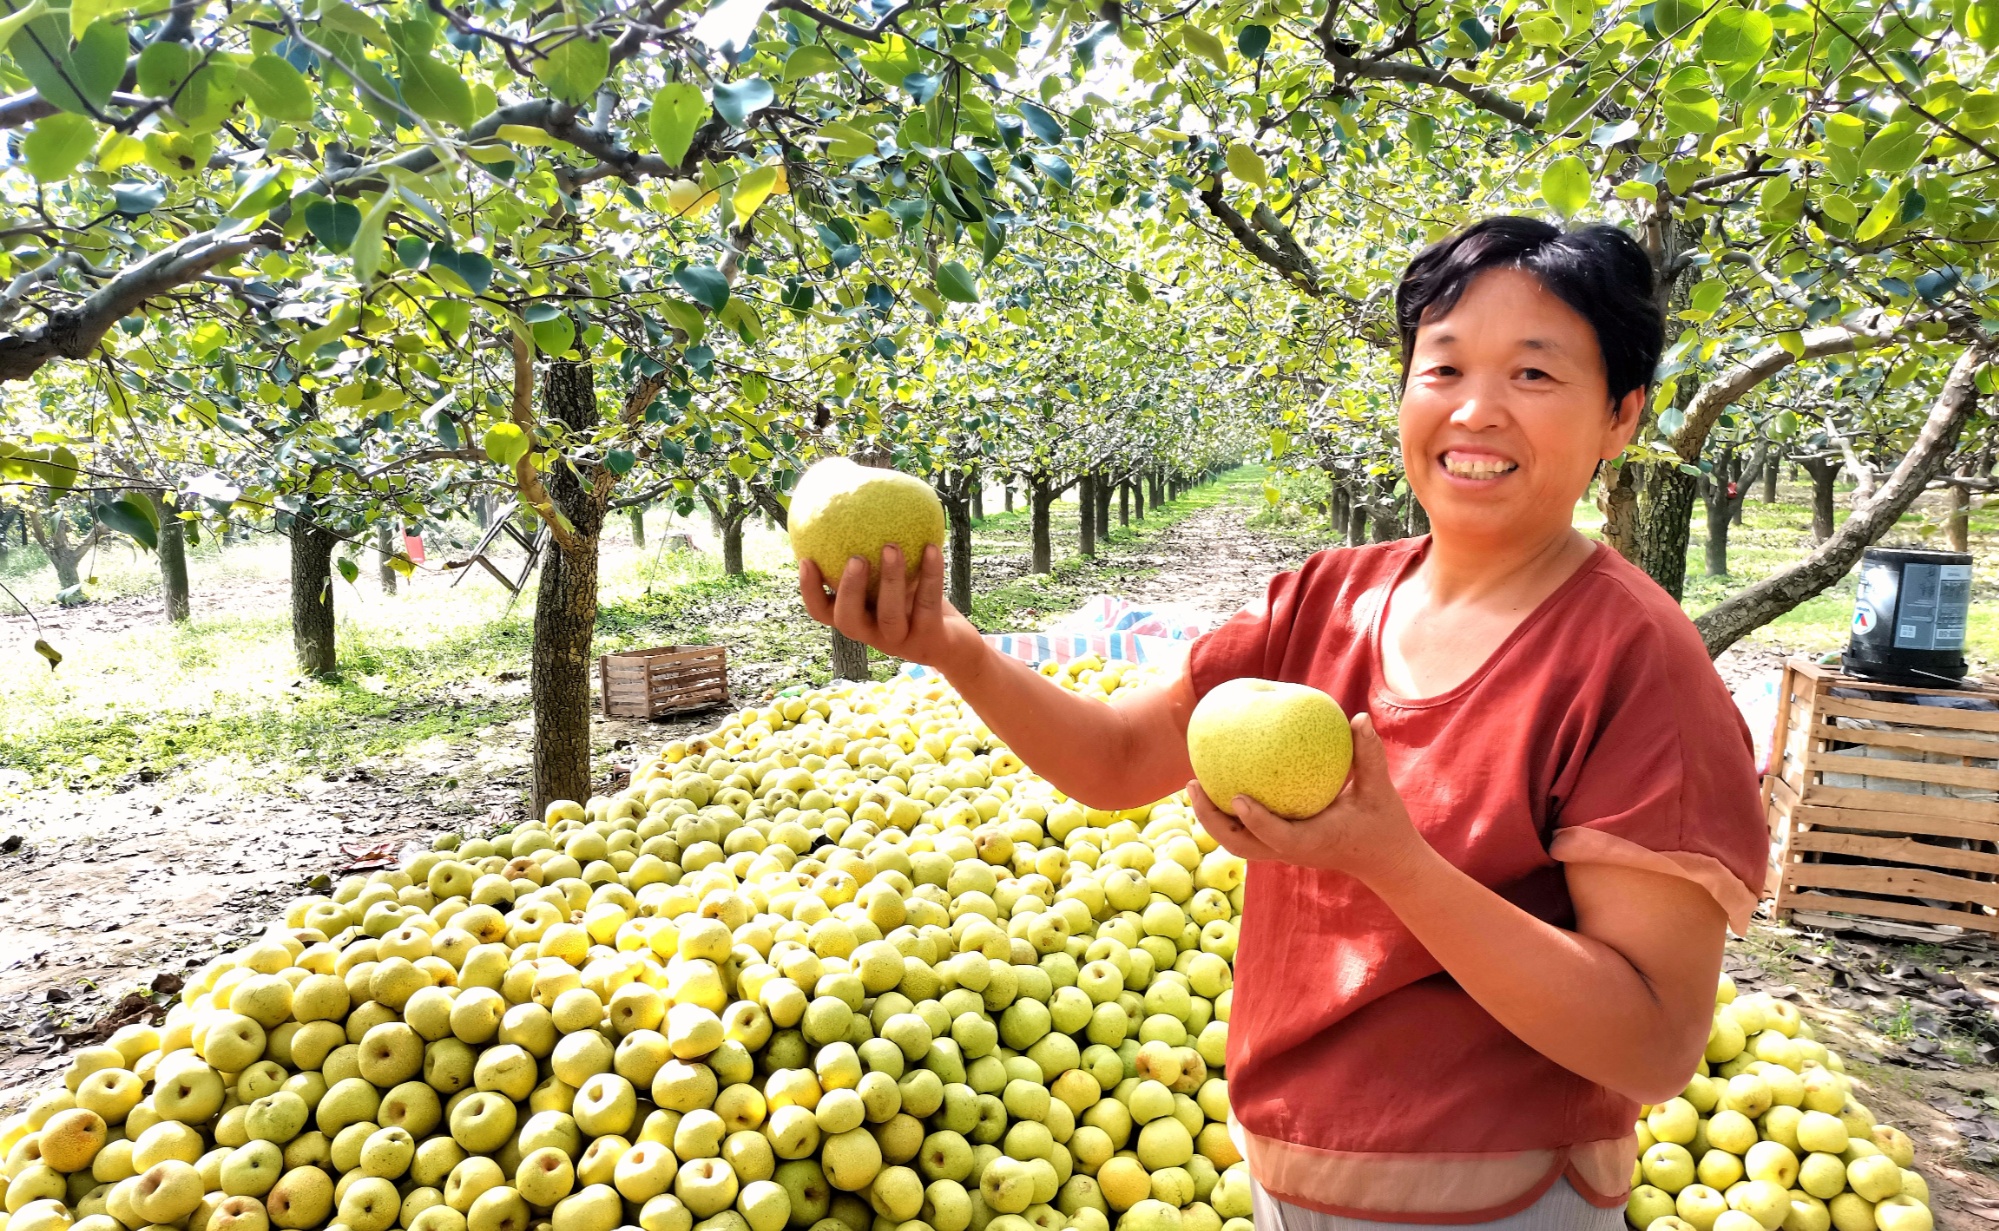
x: 1456, y: 985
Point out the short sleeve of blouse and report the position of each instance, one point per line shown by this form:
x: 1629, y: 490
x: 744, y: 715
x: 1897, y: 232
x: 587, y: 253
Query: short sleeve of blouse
x: 1668, y: 782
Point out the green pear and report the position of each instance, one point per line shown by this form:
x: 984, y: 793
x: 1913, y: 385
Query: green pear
x: 840, y: 510
x: 1287, y: 746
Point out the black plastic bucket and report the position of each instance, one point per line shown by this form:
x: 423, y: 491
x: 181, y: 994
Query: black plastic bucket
x: 1909, y: 617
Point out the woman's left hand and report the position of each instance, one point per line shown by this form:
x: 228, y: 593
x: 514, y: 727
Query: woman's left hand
x: 1366, y: 832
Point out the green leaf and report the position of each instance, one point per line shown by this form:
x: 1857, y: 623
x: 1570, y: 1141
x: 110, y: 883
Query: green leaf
x: 333, y: 223
x: 57, y: 145
x: 275, y: 88
x: 740, y: 100
x: 554, y: 336
x: 1204, y: 45
x: 1247, y: 165
x: 677, y: 110
x: 49, y: 652
x: 368, y: 240
x: 78, y: 78
x: 11, y: 24
x: 572, y: 70
x: 1134, y: 285
x: 1565, y: 185
x: 1736, y: 36
x: 1041, y: 123
x: 1692, y: 113
x: 1895, y: 148
x: 1979, y: 22
x: 620, y: 461
x: 753, y: 190
x: 162, y: 67
x: 433, y: 89
x: 132, y: 516
x: 1884, y: 215
x: 1671, y: 17
x: 706, y: 284
x: 1576, y: 14
x: 350, y: 572
x: 810, y: 61
x: 1252, y: 41
x: 955, y: 283
x: 505, y: 443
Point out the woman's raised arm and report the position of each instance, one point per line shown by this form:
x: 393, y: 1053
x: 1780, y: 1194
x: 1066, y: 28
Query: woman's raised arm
x: 1117, y: 755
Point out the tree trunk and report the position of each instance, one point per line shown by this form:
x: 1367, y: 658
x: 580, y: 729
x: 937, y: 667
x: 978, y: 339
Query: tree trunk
x: 638, y: 525
x: 1339, y: 501
x: 1726, y: 623
x: 1158, y: 486
x: 1824, y: 474
x: 1006, y: 494
x: 565, y: 610
x: 1102, y: 490
x: 1770, y: 469
x: 1719, y: 509
x: 1957, y: 519
x: 385, y: 550
x: 732, y: 546
x: 850, y: 657
x: 1387, y: 521
x: 1086, y: 515
x: 1665, y: 525
x: 52, y: 535
x: 312, y: 596
x: 1419, y: 517
x: 1040, y: 496
x: 978, y: 497
x: 1123, y: 504
x: 173, y: 561
x: 958, y: 560
x: 1617, y: 499
x: 1356, y: 522
x: 1137, y: 485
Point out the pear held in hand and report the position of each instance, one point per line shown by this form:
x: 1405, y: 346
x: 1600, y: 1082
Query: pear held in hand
x: 840, y: 510
x: 1286, y: 746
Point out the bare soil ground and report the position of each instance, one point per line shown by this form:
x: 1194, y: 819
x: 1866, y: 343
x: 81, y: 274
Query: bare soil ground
x: 106, y: 899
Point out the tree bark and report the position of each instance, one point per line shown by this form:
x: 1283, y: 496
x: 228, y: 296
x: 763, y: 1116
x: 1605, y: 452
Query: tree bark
x: 1617, y: 498
x: 1356, y: 522
x: 732, y: 547
x: 565, y: 610
x: 1339, y: 502
x: 1007, y: 496
x: 1387, y: 520
x: 1720, y: 510
x: 1137, y: 486
x: 1726, y: 623
x: 1419, y: 517
x: 1957, y: 519
x: 1102, y: 491
x: 638, y: 525
x: 312, y: 596
x: 978, y: 483
x: 385, y: 549
x: 52, y: 536
x: 1770, y: 469
x: 850, y: 657
x: 173, y: 562
x: 958, y: 558
x: 1040, y: 495
x: 1158, y: 486
x: 1665, y: 524
x: 1086, y: 515
x: 1824, y: 474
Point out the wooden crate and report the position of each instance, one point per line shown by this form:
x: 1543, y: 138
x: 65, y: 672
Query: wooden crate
x: 671, y: 678
x: 1883, y: 809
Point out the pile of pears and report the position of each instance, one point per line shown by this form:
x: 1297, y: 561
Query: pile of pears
x: 1769, y: 1135
x: 842, y: 964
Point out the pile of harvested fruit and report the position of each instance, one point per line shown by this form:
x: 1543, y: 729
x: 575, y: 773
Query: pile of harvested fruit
x: 841, y: 964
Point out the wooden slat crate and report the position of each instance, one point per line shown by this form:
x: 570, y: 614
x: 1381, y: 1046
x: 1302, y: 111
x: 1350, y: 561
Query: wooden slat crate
x: 1880, y: 808
x: 649, y: 683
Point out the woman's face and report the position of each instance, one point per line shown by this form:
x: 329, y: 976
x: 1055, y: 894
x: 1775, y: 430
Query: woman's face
x: 1507, y: 411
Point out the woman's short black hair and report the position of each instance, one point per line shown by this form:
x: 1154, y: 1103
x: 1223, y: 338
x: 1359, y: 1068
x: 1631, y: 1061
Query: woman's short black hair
x: 1599, y: 271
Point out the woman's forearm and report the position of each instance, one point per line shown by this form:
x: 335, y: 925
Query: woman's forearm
x: 1574, y: 998
x: 1103, y: 755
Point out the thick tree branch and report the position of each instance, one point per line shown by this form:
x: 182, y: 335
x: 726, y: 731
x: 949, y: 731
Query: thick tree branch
x: 1423, y: 74
x: 1734, y: 384
x: 1281, y: 252
x: 873, y: 34
x: 527, y: 481
x: 1728, y: 622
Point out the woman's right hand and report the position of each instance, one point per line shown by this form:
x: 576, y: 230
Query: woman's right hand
x: 910, y: 621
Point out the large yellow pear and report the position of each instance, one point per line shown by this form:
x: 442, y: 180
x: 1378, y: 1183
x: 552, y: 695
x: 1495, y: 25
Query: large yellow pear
x: 1286, y: 746
x: 841, y: 510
